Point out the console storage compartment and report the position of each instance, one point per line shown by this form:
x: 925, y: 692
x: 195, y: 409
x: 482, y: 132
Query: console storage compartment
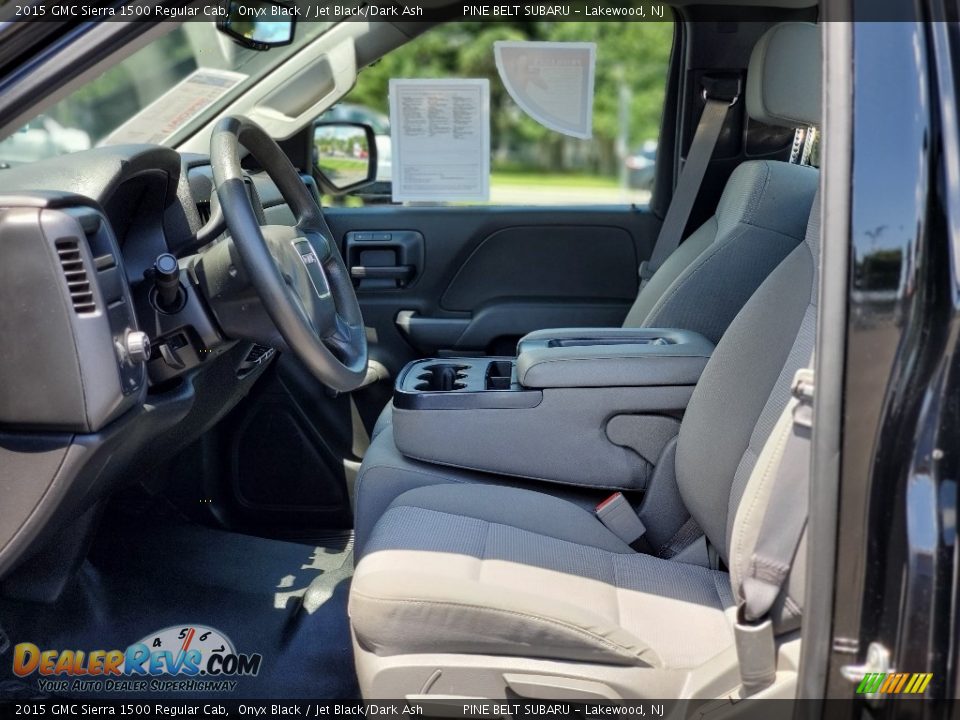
x: 591, y: 407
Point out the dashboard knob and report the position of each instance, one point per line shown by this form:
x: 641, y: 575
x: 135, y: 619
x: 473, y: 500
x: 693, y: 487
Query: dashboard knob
x: 166, y: 271
x: 137, y: 345
x: 167, y: 266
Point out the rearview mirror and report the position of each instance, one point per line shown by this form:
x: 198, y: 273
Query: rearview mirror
x: 345, y: 155
x: 258, y: 24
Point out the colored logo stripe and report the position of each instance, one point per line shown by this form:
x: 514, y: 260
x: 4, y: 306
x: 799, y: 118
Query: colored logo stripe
x: 894, y: 683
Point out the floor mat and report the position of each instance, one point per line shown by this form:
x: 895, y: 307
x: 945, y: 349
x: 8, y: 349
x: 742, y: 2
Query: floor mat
x: 284, y: 600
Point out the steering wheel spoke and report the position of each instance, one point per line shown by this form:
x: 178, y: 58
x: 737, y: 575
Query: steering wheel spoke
x: 342, y: 338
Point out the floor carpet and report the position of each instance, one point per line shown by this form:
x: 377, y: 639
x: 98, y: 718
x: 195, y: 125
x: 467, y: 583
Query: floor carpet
x: 284, y: 600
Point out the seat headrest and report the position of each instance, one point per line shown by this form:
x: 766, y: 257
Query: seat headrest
x: 783, y: 80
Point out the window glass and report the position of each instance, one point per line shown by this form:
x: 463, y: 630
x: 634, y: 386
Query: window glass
x: 531, y: 164
x: 88, y: 116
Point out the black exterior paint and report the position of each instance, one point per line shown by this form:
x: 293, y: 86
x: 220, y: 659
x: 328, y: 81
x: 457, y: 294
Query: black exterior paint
x: 896, y: 536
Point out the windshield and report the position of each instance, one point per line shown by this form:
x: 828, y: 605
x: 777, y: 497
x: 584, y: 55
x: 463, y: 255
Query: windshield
x: 160, y: 94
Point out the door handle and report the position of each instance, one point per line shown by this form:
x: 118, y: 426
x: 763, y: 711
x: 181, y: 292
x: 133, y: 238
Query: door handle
x: 383, y: 259
x: 401, y: 273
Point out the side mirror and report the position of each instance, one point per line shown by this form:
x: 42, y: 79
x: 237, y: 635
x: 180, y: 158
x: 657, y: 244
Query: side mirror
x: 258, y: 24
x: 345, y: 155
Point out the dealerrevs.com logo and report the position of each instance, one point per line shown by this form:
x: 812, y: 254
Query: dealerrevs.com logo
x: 186, y: 658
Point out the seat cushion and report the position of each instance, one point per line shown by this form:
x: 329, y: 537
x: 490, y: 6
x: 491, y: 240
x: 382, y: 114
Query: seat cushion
x: 386, y: 474
x: 495, y: 570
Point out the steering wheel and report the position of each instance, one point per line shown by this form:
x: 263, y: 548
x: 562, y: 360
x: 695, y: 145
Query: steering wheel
x: 297, y: 271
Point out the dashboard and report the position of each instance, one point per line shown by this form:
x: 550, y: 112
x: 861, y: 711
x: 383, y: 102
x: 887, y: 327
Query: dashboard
x: 101, y: 378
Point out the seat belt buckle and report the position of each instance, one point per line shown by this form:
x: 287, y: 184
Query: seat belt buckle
x: 621, y: 519
x: 756, y: 653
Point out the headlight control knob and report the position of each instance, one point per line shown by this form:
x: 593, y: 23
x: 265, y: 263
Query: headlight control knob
x: 137, y: 345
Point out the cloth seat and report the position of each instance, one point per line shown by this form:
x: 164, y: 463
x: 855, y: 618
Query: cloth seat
x: 387, y: 474
x: 445, y: 560
x: 515, y: 572
x: 760, y: 219
x: 489, y: 573
x: 478, y: 569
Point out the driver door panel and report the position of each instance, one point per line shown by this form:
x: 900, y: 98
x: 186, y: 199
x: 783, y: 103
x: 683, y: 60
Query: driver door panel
x: 490, y: 275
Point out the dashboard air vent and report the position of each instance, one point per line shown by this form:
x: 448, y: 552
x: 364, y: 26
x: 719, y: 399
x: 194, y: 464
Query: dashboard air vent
x: 78, y: 283
x: 203, y: 207
x: 257, y: 353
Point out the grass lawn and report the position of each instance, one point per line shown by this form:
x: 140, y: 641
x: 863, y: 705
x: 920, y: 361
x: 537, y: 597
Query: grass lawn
x: 514, y: 187
x: 541, y: 179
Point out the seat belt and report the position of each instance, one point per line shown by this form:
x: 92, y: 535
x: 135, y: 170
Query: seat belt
x: 783, y: 524
x: 622, y: 520
x: 688, y: 185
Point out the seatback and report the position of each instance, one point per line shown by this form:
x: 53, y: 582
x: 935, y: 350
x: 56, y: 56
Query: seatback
x: 762, y: 214
x: 761, y: 218
x: 746, y: 387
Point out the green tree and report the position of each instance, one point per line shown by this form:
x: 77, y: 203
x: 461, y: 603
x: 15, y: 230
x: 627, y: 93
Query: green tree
x: 634, y: 54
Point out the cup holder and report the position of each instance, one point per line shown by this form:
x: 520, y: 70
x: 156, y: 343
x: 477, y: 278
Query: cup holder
x: 442, y: 377
x: 499, y: 375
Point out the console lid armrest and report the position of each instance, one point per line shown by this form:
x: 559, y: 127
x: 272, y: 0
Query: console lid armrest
x: 611, y: 357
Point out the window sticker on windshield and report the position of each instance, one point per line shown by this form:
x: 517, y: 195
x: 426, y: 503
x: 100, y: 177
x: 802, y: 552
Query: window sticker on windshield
x: 551, y: 81
x: 440, y: 139
x: 176, y: 107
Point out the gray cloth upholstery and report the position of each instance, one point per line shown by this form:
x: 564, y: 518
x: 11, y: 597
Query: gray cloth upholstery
x: 761, y: 218
x: 537, y: 513
x: 706, y: 281
x: 784, y: 79
x: 477, y: 568
x: 720, y: 423
x: 744, y: 391
x: 513, y: 572
x: 386, y: 474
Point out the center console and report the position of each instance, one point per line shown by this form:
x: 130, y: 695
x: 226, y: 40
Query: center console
x: 592, y: 407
